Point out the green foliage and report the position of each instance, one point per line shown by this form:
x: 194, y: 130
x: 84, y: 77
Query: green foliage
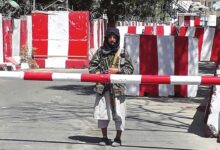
x: 80, y: 4
x: 121, y: 9
x: 131, y: 9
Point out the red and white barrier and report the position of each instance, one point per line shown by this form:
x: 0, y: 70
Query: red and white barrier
x: 97, y: 34
x: 111, y: 78
x: 29, y: 35
x: 189, y: 21
x: 214, y: 110
x: 130, y: 23
x: 208, y: 37
x: 160, y: 30
x: 129, y: 30
x: 147, y: 30
x: 61, y: 39
x: 163, y: 55
x: 14, y: 39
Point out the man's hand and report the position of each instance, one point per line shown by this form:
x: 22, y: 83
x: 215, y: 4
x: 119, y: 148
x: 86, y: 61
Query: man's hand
x: 112, y: 71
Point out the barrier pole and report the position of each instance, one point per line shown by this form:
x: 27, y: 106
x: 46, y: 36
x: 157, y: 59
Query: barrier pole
x: 110, y: 78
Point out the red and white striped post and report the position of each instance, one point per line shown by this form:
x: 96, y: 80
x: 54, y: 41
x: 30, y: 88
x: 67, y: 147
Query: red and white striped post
x: 112, y: 78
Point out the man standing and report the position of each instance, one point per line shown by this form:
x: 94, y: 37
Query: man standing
x: 110, y: 100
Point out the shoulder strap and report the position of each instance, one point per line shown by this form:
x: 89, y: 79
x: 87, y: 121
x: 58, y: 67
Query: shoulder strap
x: 116, y: 57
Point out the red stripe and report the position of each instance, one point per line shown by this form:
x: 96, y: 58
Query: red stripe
x: 216, y: 47
x: 182, y: 31
x: 187, y: 21
x: 23, y: 35
x: 46, y: 76
x: 148, y: 63
x: 40, y: 34
x: 197, y: 21
x: 155, y: 79
x: 78, y: 34
x: 77, y: 63
x: 173, y: 30
x: 206, y: 80
x: 199, y: 34
x: 101, y: 78
x: 148, y: 30
x: 7, y: 38
x: 160, y: 30
x: 92, y: 34
x: 132, y: 29
x: 181, y: 63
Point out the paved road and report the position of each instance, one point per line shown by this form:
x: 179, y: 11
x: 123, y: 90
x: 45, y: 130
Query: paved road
x: 36, y: 115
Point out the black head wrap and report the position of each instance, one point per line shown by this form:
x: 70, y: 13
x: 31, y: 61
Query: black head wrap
x: 107, y: 48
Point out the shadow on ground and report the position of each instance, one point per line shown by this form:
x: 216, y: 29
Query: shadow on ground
x: 95, y: 140
x: 79, y: 89
x: 198, y: 126
x: 86, y: 139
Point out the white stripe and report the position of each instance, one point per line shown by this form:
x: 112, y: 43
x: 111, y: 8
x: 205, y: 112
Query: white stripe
x: 29, y: 35
x: 136, y: 79
x: 132, y: 45
x: 154, y: 29
x: 12, y: 75
x: 100, y: 32
x: 66, y: 76
x: 207, y: 44
x: 16, y: 27
x: 58, y: 34
x: 55, y: 62
x: 193, y: 65
x: 95, y: 34
x: 190, y: 31
x: 123, y: 30
x: 165, y: 50
x: 1, y: 41
x: 167, y: 30
x: 139, y: 29
x: 185, y: 79
x: 192, y: 20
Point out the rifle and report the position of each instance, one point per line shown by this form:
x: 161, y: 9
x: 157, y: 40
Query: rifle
x: 115, y: 116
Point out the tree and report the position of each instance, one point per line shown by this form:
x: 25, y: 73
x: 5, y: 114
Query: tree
x: 131, y: 9
x: 80, y: 4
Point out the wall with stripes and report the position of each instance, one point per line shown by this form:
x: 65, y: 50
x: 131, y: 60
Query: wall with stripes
x: 59, y: 39
x: 213, y: 108
x: 190, y: 21
x: 62, y: 40
x: 15, y: 38
x: 146, y: 30
x: 208, y: 41
x: 97, y: 33
x: 130, y: 23
x: 163, y: 55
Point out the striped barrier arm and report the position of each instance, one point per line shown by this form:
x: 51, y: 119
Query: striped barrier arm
x: 111, y: 78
